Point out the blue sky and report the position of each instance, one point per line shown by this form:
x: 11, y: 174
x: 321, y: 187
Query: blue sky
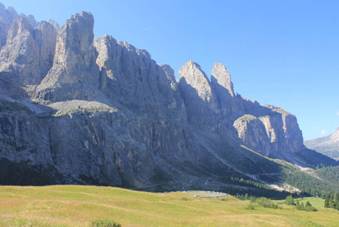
x: 284, y: 53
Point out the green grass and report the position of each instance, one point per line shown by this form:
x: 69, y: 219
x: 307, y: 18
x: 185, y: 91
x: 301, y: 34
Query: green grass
x: 85, y: 205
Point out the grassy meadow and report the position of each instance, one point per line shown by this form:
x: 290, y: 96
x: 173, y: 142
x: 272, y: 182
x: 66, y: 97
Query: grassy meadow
x: 83, y: 205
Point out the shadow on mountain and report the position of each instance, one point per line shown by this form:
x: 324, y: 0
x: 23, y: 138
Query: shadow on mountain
x: 23, y: 173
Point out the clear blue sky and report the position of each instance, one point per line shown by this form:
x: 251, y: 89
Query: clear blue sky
x: 281, y: 52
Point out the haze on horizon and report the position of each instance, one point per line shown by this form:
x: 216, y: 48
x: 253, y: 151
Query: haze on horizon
x: 283, y: 53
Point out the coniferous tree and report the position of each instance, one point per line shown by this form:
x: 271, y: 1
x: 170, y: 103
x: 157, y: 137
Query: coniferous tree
x: 327, y: 202
x: 337, y: 201
x: 331, y: 201
x: 300, y: 205
x: 332, y: 204
x: 309, y: 207
x: 290, y: 200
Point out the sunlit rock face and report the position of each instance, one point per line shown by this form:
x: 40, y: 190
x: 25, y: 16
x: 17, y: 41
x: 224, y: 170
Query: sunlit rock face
x: 222, y: 77
x: 252, y: 133
x: 86, y: 110
x: 28, y: 51
x: 328, y: 145
x: 192, y: 74
x: 130, y: 77
x: 74, y: 73
x: 7, y: 16
x: 198, y: 96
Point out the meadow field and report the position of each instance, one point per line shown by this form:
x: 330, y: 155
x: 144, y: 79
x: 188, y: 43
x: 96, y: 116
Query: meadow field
x: 85, y: 205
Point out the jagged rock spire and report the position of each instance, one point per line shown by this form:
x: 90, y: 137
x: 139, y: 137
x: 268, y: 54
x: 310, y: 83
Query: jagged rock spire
x: 169, y: 71
x: 7, y: 16
x: 223, y: 77
x: 193, y: 76
x: 29, y: 50
x: 198, y: 95
x: 75, y: 41
x: 170, y: 75
x: 74, y: 63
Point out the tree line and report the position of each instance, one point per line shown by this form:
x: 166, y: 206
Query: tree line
x: 332, y: 201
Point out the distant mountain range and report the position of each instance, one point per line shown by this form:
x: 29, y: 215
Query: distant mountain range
x: 80, y: 110
x: 328, y: 145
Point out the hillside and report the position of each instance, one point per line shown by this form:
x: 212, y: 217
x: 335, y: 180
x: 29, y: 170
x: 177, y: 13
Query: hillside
x: 80, y: 206
x: 328, y: 145
x: 80, y: 109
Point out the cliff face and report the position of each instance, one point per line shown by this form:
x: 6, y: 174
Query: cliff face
x: 74, y: 109
x: 215, y: 105
x: 7, y: 16
x: 280, y: 128
x: 27, y: 53
x: 74, y: 73
x: 130, y: 78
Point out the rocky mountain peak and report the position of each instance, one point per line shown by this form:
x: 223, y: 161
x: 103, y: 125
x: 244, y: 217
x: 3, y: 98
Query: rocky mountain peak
x: 328, y: 145
x: 74, y: 64
x: 104, y: 46
x: 192, y: 74
x: 335, y: 136
x: 222, y: 76
x: 169, y: 71
x: 7, y: 16
x: 191, y: 66
x: 75, y: 40
x: 278, y: 109
x: 29, y: 50
x: 20, y: 26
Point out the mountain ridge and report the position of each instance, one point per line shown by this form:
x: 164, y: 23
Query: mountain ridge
x: 328, y: 145
x: 104, y: 112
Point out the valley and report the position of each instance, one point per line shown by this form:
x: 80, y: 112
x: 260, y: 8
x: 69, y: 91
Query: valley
x: 84, y: 205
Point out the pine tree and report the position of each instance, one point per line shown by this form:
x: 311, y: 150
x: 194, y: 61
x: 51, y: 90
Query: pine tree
x: 300, y: 205
x: 337, y: 201
x: 246, y: 197
x: 327, y: 202
x: 332, y: 202
x: 309, y: 207
x: 290, y: 200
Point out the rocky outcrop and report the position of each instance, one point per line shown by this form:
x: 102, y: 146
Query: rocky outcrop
x: 222, y: 77
x: 198, y: 96
x: 74, y: 74
x: 7, y: 16
x: 193, y: 76
x: 130, y: 78
x: 214, y: 105
x: 281, y: 133
x: 292, y: 135
x: 253, y: 133
x: 28, y: 52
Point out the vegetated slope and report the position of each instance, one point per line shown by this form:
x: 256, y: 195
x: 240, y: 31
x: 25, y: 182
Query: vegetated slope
x: 313, y: 182
x: 330, y: 174
x: 82, y: 205
x: 328, y: 145
x: 75, y: 109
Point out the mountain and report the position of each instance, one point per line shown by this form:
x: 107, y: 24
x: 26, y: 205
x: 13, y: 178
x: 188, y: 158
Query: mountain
x: 328, y: 145
x: 75, y: 109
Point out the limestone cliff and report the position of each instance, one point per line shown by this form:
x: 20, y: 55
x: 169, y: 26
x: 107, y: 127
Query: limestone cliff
x: 74, y: 73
